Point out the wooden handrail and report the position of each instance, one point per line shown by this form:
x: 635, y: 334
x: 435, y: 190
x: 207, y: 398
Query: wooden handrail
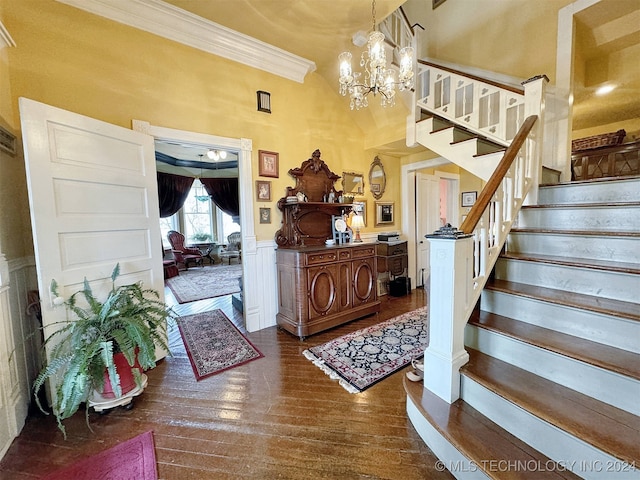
x: 503, y: 86
x: 469, y: 224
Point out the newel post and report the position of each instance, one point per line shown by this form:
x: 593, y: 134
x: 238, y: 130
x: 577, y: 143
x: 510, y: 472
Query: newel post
x: 451, y: 289
x: 534, y: 104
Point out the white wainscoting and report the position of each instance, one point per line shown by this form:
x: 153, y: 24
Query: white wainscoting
x: 263, y: 283
x: 19, y: 355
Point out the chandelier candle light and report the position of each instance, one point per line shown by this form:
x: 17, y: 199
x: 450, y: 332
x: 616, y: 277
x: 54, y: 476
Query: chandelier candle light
x: 378, y: 78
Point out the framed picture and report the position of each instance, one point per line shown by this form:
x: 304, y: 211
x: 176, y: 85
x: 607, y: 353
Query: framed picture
x: 265, y: 215
x: 267, y: 164
x: 263, y: 190
x: 361, y: 209
x: 384, y: 213
x: 469, y: 198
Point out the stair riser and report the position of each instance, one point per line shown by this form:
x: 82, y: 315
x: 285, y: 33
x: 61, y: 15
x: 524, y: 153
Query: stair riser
x: 604, y: 385
x: 615, y: 249
x: 570, y: 452
x: 606, y: 329
x: 448, y: 454
x: 461, y: 154
x: 588, y: 219
x: 597, y: 192
x: 587, y: 281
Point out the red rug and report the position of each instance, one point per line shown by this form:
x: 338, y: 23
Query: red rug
x: 134, y: 459
x: 214, y: 344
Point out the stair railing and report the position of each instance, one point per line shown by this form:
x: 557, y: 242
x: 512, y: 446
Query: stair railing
x: 491, y: 109
x: 462, y: 259
x: 397, y: 31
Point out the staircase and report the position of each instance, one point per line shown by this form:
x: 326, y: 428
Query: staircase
x: 476, y: 155
x: 552, y: 387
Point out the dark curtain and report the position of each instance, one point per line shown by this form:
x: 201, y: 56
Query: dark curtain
x: 172, y: 192
x: 224, y: 193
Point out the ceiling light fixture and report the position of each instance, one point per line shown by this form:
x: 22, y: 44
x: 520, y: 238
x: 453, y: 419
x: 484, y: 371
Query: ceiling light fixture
x: 378, y: 78
x: 216, y: 155
x: 604, y: 89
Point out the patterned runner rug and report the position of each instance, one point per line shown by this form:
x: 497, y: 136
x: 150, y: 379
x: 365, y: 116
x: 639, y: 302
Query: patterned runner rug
x: 362, y: 358
x: 199, y: 283
x: 134, y: 458
x: 214, y: 344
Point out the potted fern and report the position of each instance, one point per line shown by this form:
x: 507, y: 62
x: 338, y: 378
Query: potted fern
x: 87, y: 348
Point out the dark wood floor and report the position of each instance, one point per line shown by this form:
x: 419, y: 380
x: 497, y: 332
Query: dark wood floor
x: 276, y: 417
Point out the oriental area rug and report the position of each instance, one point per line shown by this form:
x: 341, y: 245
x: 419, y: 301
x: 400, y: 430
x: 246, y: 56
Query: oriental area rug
x: 210, y: 281
x: 214, y: 344
x: 362, y: 358
x: 133, y: 459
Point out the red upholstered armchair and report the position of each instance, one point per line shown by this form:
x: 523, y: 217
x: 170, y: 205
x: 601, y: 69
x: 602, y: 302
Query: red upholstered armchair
x: 182, y: 253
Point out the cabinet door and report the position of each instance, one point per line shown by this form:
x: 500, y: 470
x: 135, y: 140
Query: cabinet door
x: 344, y: 286
x: 322, y: 288
x: 363, y: 281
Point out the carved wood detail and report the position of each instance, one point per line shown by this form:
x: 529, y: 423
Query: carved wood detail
x: 309, y: 223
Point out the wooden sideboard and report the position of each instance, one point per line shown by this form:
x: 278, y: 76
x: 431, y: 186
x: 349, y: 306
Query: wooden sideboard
x: 321, y: 287
x: 393, y: 261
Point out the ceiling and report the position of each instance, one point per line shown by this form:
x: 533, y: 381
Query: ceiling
x: 602, y: 31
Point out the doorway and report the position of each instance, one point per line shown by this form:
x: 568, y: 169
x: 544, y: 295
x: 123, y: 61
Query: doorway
x: 431, y: 201
x: 253, y: 316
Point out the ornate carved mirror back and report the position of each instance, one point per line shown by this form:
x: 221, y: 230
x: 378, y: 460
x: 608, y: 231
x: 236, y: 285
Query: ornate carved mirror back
x: 308, y: 207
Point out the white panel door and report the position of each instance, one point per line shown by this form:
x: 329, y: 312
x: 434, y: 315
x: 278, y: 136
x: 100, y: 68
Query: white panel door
x: 93, y: 201
x: 427, y: 221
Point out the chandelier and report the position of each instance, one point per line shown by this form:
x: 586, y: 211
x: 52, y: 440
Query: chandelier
x: 377, y: 77
x: 215, y: 155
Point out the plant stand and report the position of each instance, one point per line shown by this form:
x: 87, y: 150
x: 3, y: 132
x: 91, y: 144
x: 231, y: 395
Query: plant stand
x: 100, y: 403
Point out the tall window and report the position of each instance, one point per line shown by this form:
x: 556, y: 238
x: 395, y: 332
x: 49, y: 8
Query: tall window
x: 197, y: 215
x: 226, y: 226
x: 167, y: 224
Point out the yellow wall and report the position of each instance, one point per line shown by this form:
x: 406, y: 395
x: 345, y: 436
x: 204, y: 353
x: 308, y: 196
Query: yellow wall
x: 14, y: 209
x: 514, y: 37
x: 86, y: 64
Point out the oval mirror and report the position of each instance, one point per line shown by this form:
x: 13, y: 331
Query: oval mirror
x: 377, y: 178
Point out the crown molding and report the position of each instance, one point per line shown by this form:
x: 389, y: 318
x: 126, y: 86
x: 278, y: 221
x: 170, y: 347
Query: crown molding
x: 172, y: 23
x: 5, y: 38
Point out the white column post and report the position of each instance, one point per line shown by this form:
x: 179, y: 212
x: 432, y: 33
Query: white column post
x: 534, y: 104
x: 450, y: 291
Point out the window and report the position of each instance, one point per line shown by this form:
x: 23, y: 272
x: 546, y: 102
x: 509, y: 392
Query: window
x: 226, y: 226
x: 197, y: 215
x: 167, y: 224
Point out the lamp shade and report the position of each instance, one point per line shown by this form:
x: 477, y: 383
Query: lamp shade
x: 357, y: 222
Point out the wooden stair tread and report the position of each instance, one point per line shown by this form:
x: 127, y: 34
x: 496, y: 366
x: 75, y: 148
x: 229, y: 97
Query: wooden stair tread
x: 478, y: 438
x: 582, y: 205
x: 596, y: 180
x: 622, y: 267
x: 607, y: 428
x: 597, y: 354
x: 607, y: 306
x: 582, y: 233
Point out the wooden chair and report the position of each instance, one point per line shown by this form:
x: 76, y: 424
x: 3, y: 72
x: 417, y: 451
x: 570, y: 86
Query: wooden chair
x: 233, y: 248
x: 182, y: 253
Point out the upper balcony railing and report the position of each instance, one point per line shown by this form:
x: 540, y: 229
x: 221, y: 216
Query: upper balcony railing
x: 492, y: 110
x: 397, y: 32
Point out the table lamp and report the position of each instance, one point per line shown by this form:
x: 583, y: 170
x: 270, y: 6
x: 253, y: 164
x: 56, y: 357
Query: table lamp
x: 357, y: 222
